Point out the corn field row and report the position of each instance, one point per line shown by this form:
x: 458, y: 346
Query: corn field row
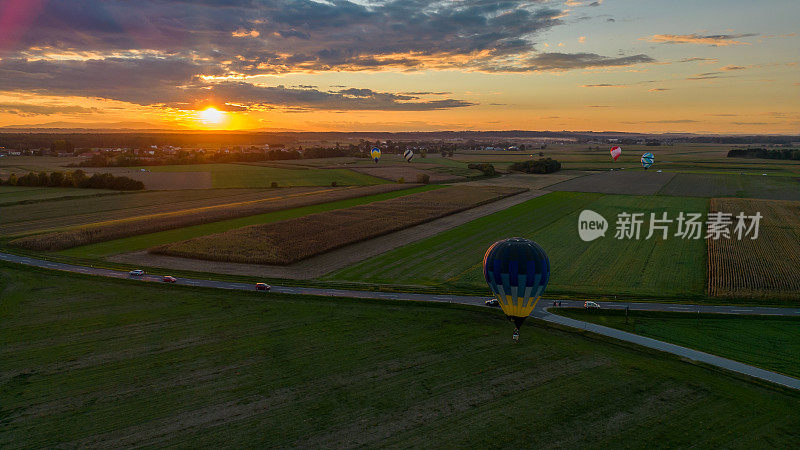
x: 767, y: 267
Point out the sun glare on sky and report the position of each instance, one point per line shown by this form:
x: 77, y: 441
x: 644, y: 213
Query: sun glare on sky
x: 211, y: 116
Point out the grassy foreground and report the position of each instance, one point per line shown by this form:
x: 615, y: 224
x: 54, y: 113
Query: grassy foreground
x: 86, y: 361
x: 771, y: 343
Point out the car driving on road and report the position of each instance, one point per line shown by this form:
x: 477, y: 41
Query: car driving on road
x: 168, y: 279
x: 263, y: 287
x: 492, y: 302
x: 591, y: 305
x: 136, y: 273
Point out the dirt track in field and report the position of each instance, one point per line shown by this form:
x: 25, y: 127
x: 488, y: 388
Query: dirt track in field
x: 334, y: 260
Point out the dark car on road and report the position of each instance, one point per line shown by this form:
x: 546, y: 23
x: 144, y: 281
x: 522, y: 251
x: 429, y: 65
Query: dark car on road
x: 263, y: 287
x: 168, y: 279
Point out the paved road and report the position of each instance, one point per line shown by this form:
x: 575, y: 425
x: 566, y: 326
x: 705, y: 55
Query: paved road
x: 540, y: 312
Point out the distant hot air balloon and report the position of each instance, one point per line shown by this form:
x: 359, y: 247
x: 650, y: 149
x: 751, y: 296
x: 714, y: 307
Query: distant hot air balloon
x: 647, y: 160
x: 375, y: 153
x: 615, y: 152
x: 517, y: 271
x: 408, y: 155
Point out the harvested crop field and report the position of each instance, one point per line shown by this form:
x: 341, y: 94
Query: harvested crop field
x: 767, y: 267
x: 406, y: 172
x: 116, y: 229
x: 293, y: 240
x: 10, y: 195
x: 255, y: 176
x: 165, y: 180
x: 631, y: 182
x: 729, y: 185
x: 529, y: 180
x: 47, y: 215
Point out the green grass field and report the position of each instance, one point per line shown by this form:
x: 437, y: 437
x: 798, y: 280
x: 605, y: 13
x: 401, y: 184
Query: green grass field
x: 144, y: 241
x: 605, y: 267
x: 89, y: 362
x: 254, y: 176
x: 771, y: 343
x: 19, y: 194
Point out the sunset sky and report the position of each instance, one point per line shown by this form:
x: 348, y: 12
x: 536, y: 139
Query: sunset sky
x: 625, y: 65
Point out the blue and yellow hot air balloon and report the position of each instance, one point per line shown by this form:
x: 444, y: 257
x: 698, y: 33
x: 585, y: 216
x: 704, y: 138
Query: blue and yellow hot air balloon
x: 517, y: 271
x: 375, y: 153
x: 647, y: 160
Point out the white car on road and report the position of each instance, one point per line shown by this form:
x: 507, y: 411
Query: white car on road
x: 136, y: 273
x: 591, y: 305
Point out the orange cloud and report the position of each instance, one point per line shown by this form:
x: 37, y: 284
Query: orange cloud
x: 732, y: 67
x: 241, y: 32
x: 715, y: 40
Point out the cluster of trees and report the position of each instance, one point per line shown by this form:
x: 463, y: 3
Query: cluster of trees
x: 541, y: 165
x: 76, y: 179
x: 487, y: 169
x: 326, y: 152
x: 786, y: 153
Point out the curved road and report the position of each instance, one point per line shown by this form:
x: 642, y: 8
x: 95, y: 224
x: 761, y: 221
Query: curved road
x: 540, y: 312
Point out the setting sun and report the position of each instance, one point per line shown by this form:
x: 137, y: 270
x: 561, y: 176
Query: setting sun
x: 211, y: 116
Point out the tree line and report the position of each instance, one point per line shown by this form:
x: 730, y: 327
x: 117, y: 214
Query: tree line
x: 763, y: 153
x: 541, y: 165
x: 76, y: 179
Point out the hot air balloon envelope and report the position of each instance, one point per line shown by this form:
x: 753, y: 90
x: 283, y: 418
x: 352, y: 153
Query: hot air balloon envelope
x: 615, y: 152
x: 408, y: 155
x: 517, y: 271
x: 375, y: 153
